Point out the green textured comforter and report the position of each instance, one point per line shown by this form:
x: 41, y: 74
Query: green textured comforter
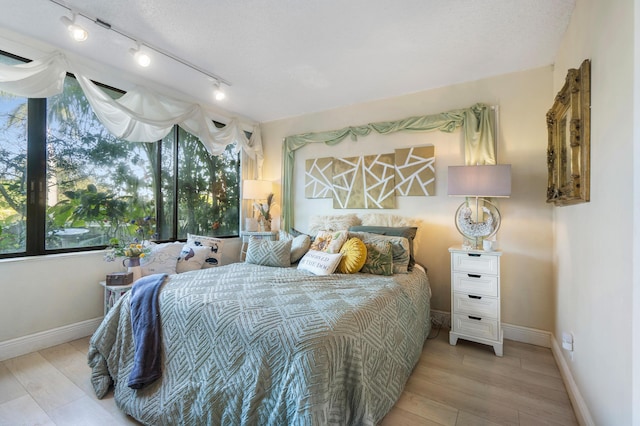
x: 255, y: 345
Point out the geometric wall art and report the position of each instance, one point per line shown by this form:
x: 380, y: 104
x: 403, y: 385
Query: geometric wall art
x: 415, y: 171
x: 365, y: 182
x: 372, y: 181
x: 319, y: 178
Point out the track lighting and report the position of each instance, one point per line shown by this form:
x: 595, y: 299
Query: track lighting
x: 218, y: 93
x: 77, y: 32
x: 142, y: 58
x: 141, y: 52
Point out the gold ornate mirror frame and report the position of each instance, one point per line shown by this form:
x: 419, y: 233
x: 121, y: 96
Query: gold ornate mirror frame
x: 568, y: 124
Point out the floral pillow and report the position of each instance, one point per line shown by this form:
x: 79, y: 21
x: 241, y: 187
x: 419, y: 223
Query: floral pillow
x: 329, y: 241
x: 399, y: 248
x: 379, y: 258
x: 163, y: 259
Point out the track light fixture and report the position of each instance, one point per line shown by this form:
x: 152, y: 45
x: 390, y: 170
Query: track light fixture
x: 218, y: 93
x: 141, y: 52
x: 141, y: 57
x: 77, y: 32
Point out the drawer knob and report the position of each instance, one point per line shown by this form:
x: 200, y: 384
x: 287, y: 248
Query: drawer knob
x: 471, y: 296
x: 475, y: 318
x: 474, y: 276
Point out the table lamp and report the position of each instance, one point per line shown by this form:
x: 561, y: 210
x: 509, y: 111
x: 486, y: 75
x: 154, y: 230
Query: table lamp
x: 475, y: 183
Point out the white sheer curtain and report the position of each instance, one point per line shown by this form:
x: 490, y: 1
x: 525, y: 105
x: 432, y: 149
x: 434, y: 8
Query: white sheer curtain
x: 140, y: 115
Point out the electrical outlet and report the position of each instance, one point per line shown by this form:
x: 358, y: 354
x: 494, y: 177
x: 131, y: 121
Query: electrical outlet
x: 567, y: 341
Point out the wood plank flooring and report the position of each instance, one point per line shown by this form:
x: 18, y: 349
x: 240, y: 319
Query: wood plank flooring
x: 451, y: 385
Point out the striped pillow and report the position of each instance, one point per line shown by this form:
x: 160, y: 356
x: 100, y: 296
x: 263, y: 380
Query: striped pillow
x: 269, y: 253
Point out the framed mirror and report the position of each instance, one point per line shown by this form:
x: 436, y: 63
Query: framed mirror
x: 568, y: 124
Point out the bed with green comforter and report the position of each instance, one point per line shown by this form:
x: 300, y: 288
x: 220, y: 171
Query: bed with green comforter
x: 244, y: 344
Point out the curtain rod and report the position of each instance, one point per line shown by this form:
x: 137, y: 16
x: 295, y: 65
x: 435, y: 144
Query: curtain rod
x: 123, y: 33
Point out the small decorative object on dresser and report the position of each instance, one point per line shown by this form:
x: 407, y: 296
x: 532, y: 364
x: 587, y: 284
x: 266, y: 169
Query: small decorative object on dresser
x: 120, y: 278
x: 475, y: 297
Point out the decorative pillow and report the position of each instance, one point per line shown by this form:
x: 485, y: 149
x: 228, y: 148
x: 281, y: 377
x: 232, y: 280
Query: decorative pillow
x: 163, y: 259
x: 214, y: 257
x: 379, y: 259
x: 409, y: 232
x: 354, y: 254
x: 191, y: 258
x: 332, y: 223
x: 319, y: 262
x: 329, y: 242
x: 299, y: 244
x: 269, y: 253
x: 399, y: 249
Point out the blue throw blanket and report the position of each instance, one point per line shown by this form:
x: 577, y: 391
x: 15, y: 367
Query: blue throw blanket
x: 145, y: 322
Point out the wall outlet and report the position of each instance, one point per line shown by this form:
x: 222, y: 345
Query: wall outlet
x: 567, y: 341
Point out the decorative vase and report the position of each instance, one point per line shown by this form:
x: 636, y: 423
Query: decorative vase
x: 133, y: 265
x: 265, y: 225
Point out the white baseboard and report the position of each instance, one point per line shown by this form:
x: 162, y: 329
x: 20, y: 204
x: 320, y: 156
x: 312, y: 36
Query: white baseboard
x: 527, y: 335
x: 46, y: 339
x: 579, y: 405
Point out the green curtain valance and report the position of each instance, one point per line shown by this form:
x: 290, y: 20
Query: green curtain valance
x: 475, y: 123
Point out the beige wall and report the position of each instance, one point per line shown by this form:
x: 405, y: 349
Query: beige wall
x: 526, y: 233
x: 42, y: 293
x: 593, y: 243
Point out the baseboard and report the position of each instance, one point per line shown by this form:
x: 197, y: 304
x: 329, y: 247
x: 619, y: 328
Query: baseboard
x: 579, y: 406
x: 46, y: 339
x: 527, y: 335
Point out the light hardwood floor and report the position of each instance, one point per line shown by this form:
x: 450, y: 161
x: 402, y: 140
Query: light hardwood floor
x: 451, y: 385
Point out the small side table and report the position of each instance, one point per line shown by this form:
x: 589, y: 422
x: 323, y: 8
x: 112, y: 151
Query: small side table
x: 246, y: 236
x: 113, y: 293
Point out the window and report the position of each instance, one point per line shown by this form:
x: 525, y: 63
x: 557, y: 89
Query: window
x: 67, y: 184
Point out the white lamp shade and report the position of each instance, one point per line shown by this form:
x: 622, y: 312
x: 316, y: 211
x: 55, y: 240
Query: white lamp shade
x: 256, y: 189
x: 479, y: 181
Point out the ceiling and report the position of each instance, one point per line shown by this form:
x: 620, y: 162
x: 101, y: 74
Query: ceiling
x: 291, y: 57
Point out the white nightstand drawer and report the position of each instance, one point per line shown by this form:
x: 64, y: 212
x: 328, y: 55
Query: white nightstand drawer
x: 477, y: 263
x: 470, y: 304
x: 475, y: 283
x: 477, y: 326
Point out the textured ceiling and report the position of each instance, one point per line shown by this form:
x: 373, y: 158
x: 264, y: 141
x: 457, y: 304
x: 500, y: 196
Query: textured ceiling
x: 291, y: 57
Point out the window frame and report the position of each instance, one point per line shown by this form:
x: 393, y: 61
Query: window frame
x: 36, y: 181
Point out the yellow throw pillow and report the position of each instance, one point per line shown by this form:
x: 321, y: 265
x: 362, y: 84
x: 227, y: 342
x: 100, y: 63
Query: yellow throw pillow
x: 354, y: 254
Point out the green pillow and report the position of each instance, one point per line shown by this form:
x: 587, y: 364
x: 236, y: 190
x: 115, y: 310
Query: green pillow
x: 379, y: 258
x: 408, y: 232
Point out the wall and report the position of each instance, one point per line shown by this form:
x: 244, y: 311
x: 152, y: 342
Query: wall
x: 593, y: 248
x: 42, y: 293
x: 525, y: 236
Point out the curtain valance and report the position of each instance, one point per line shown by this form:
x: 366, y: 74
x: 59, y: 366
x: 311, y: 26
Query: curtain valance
x: 140, y: 115
x: 475, y: 123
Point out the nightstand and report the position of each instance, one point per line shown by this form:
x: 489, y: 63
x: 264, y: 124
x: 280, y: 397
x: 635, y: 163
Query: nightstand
x: 475, y: 297
x: 246, y: 236
x: 113, y: 293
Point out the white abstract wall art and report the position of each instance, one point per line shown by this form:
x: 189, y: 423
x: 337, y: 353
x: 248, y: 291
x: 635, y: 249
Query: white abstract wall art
x: 372, y: 181
x: 415, y: 171
x: 364, y: 182
x: 319, y: 178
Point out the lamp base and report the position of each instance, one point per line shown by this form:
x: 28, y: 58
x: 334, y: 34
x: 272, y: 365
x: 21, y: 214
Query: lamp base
x: 477, y: 222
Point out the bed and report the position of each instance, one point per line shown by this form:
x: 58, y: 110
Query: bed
x: 259, y: 345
